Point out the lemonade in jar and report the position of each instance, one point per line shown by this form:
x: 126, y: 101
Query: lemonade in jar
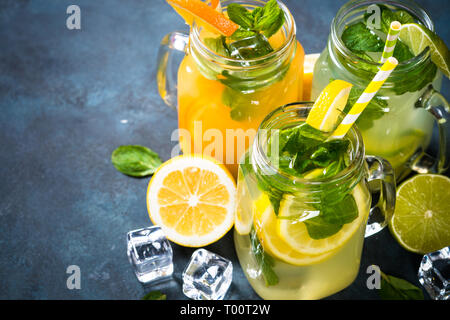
x: 398, y: 123
x: 303, y: 201
x: 241, y: 61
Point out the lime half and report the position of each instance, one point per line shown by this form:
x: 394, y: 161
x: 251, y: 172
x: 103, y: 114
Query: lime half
x: 421, y: 221
x: 417, y: 37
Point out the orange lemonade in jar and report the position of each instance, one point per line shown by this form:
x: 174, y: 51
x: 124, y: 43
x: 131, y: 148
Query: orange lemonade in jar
x: 242, y: 61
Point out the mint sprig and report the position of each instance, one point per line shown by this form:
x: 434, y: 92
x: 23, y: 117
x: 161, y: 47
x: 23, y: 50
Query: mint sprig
x: 265, y: 20
x: 265, y: 262
x: 393, y: 288
x: 135, y: 161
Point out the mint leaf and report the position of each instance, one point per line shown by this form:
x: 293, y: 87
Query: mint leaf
x: 135, y: 161
x: 402, y: 52
x: 218, y: 45
x: 359, y: 38
x: 393, y: 288
x: 265, y: 21
x: 271, y: 12
x: 155, y: 295
x: 265, y: 262
x: 240, y: 15
x: 275, y: 26
x: 242, y: 33
x: 404, y: 17
x: 319, y: 228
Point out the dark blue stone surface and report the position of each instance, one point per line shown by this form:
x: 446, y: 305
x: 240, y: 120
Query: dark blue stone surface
x: 63, y: 96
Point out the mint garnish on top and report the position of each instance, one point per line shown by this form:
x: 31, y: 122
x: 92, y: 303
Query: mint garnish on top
x: 265, y: 20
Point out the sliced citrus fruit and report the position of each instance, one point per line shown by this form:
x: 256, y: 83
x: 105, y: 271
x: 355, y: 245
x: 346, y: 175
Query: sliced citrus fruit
x: 204, y: 15
x: 417, y: 37
x: 266, y: 229
x: 328, y: 106
x: 308, y: 70
x: 192, y: 198
x: 295, y: 233
x: 243, y: 220
x: 421, y: 221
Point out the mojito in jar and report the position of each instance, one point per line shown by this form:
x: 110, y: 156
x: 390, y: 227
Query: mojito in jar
x: 303, y: 207
x: 397, y: 125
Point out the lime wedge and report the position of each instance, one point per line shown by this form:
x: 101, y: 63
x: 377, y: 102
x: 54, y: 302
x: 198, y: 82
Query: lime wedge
x: 421, y: 221
x: 417, y: 37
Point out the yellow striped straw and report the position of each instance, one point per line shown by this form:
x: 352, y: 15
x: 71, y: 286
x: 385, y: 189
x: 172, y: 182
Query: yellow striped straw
x: 367, y: 96
x: 391, y: 41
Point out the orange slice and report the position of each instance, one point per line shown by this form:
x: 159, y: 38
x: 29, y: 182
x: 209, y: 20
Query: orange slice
x: 204, y: 15
x: 192, y: 198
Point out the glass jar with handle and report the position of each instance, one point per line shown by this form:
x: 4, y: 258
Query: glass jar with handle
x: 398, y: 123
x: 302, y: 238
x: 221, y: 100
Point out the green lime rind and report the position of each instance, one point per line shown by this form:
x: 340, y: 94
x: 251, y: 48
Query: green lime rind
x: 417, y: 37
x: 421, y: 221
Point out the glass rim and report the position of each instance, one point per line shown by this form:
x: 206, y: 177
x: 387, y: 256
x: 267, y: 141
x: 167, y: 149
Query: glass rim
x: 227, y: 62
x: 353, y: 5
x: 358, y: 149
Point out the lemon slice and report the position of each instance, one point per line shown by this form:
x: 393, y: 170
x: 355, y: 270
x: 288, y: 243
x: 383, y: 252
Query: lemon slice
x: 421, y: 221
x: 192, y: 198
x: 295, y: 233
x: 330, y: 103
x: 308, y: 70
x: 266, y: 229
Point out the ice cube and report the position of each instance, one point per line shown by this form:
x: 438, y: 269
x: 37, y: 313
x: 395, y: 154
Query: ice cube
x: 150, y: 254
x: 207, y: 276
x: 434, y: 274
x: 250, y: 48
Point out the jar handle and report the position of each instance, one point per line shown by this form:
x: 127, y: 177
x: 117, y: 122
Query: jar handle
x: 167, y: 73
x: 381, y: 182
x: 422, y: 162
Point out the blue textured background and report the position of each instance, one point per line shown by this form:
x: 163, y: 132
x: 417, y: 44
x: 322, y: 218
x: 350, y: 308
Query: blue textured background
x: 63, y: 95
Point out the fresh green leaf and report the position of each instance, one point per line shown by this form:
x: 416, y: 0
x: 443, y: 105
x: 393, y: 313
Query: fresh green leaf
x: 404, y: 17
x: 265, y: 262
x: 359, y: 38
x: 136, y: 161
x: 242, y: 33
x: 218, y: 45
x: 402, y: 52
x: 271, y: 13
x: 155, y: 295
x: 275, y: 26
x: 240, y: 15
x: 319, y: 228
x: 257, y: 14
x: 393, y: 288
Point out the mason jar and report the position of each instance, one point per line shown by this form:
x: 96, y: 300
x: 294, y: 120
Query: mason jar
x: 398, y: 124
x: 220, y: 100
x: 310, y: 268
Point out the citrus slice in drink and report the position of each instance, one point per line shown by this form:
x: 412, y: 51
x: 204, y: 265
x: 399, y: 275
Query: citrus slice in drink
x: 192, y: 198
x: 417, y: 37
x: 308, y: 70
x: 204, y: 15
x: 328, y: 106
x: 293, y: 231
x: 266, y: 229
x: 421, y: 221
